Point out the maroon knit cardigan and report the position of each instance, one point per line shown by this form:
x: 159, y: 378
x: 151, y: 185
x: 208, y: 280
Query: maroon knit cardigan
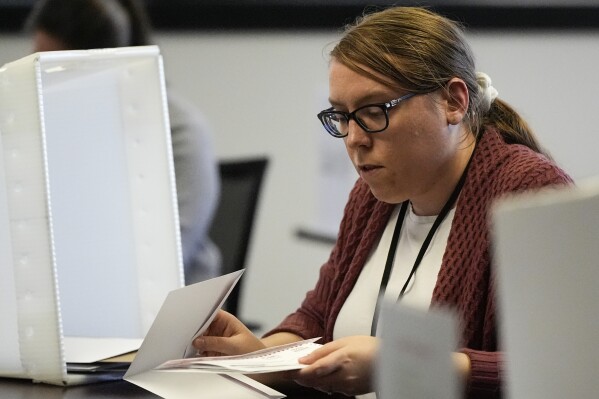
x: 466, y: 279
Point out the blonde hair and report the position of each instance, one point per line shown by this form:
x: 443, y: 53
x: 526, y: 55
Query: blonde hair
x: 420, y: 51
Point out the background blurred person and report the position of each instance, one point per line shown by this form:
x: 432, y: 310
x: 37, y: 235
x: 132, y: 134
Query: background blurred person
x: 90, y: 24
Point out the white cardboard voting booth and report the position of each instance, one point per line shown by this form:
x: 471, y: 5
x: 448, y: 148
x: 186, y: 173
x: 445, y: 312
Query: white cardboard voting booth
x: 547, y: 256
x: 89, y: 232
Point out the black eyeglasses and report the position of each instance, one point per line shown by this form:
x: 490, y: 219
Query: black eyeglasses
x: 373, y: 118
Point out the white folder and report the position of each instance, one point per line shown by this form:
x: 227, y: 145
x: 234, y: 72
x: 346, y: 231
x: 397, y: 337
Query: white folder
x: 415, y: 356
x: 89, y: 231
x: 547, y: 253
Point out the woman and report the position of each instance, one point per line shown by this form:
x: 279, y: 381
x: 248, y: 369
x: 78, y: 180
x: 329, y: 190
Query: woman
x: 89, y: 24
x: 433, y: 146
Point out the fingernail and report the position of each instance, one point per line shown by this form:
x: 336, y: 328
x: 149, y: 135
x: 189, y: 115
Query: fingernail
x: 302, y: 359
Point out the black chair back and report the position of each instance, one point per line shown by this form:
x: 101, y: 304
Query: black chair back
x: 231, y: 229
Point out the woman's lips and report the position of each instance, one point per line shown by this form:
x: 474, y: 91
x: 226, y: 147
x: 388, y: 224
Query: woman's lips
x: 366, y: 170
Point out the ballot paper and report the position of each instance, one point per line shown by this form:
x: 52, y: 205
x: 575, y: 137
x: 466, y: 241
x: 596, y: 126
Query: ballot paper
x: 185, y: 314
x: 278, y: 358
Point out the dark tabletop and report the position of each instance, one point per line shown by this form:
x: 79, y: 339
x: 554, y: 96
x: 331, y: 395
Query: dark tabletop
x: 25, y: 389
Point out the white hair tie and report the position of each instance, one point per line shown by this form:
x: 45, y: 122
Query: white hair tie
x: 487, y: 91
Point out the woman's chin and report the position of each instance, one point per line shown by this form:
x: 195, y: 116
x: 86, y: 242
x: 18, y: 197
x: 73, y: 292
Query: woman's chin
x: 384, y: 195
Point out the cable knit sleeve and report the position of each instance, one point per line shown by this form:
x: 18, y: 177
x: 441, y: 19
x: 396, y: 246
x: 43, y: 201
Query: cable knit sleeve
x: 486, y: 374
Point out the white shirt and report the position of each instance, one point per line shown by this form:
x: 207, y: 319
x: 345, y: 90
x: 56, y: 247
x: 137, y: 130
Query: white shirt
x: 355, y: 317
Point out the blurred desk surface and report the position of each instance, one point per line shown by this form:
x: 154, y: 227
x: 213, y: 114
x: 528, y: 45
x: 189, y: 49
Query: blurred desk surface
x: 25, y: 389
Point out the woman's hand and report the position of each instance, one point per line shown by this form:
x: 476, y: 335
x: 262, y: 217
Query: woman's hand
x: 344, y: 365
x: 226, y: 335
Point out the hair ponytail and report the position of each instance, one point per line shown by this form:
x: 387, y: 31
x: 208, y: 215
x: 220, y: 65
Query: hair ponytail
x: 512, y: 127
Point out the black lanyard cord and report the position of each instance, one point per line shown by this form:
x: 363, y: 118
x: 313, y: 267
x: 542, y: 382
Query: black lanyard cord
x: 394, y: 240
x: 388, y: 265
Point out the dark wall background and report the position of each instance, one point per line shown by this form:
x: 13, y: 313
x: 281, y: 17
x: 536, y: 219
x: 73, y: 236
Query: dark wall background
x: 333, y: 14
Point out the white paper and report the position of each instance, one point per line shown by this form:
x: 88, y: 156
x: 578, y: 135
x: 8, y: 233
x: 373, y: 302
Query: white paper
x: 91, y: 350
x: 278, y: 358
x: 185, y: 314
x: 189, y: 384
x: 415, y: 359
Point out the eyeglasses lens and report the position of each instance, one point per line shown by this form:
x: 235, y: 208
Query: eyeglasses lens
x: 372, y: 119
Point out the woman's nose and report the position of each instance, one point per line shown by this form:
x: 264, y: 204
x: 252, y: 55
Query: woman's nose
x: 356, y: 135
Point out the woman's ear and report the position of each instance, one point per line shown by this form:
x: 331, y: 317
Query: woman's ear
x: 457, y: 98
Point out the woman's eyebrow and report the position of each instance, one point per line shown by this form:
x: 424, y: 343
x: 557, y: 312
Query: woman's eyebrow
x: 370, y: 98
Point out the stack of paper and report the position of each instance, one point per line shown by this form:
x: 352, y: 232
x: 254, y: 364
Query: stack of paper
x: 92, y: 355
